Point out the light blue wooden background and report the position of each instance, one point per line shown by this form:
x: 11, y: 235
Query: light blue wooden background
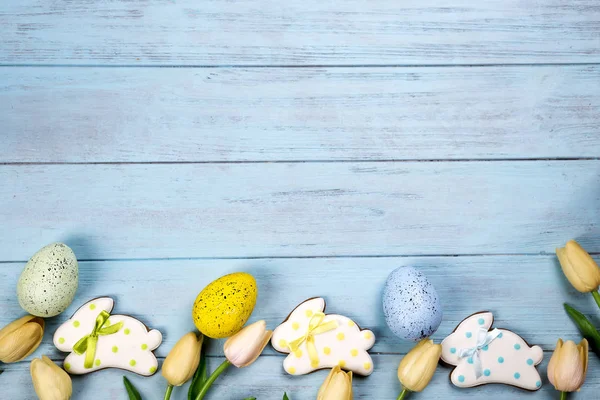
x: 315, y: 144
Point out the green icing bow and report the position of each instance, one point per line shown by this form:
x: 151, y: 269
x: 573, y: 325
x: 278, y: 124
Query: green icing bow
x: 88, y: 343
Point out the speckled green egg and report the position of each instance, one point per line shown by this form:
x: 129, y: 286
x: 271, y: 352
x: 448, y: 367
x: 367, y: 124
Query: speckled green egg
x: 223, y: 307
x: 49, y: 281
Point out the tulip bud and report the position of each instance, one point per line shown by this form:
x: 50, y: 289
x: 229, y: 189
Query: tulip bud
x: 20, y: 338
x: 417, y: 367
x: 49, y: 380
x: 243, y: 348
x: 568, y: 365
x: 182, y: 361
x: 579, y: 267
x: 337, y: 385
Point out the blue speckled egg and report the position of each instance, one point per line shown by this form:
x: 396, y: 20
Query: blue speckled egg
x: 411, y: 305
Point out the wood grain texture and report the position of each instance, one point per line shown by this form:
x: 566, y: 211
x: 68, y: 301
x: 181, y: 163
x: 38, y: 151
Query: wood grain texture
x: 266, y: 380
x: 143, y: 115
x: 299, y: 209
x: 526, y: 297
x: 298, y: 32
x: 374, y: 133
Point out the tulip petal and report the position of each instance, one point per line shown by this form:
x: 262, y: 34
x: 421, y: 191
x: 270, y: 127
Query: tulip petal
x: 413, y: 356
x: 20, y: 343
x: 243, y: 348
x: 579, y: 267
x: 350, y: 385
x: 418, y: 366
x: 13, y: 326
x: 48, y: 362
x: 183, y: 359
x: 333, y: 371
x: 425, y: 369
x: 259, y: 349
x: 584, y: 352
x: 570, y: 271
x: 576, y: 253
x: 569, y: 371
x: 552, y: 365
x: 49, y: 380
x: 337, y: 386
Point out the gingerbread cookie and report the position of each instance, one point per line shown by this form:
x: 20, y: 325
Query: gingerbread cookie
x: 483, y: 356
x: 315, y: 340
x: 98, y: 340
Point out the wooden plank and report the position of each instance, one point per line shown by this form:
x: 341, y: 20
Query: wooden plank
x: 299, y: 209
x: 266, y: 381
x: 526, y: 293
x: 298, y: 32
x: 93, y: 114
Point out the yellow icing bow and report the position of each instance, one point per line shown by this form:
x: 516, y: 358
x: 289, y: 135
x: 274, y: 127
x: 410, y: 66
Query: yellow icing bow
x: 315, y: 327
x: 87, y: 344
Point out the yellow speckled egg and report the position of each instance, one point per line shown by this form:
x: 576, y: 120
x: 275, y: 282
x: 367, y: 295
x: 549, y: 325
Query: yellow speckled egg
x: 224, y: 306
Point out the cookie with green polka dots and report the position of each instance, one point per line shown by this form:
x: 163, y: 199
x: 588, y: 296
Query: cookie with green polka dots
x: 98, y: 340
x: 315, y: 340
x: 483, y: 355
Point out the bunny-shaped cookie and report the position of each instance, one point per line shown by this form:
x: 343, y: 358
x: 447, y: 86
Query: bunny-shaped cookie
x: 482, y: 356
x: 99, y: 340
x: 316, y: 341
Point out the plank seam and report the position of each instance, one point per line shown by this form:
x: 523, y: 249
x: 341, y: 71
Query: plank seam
x: 392, y: 160
x: 304, y: 66
x: 540, y: 254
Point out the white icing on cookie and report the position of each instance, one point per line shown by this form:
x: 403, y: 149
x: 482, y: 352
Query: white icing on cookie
x: 506, y: 359
x: 344, y: 345
x: 130, y: 348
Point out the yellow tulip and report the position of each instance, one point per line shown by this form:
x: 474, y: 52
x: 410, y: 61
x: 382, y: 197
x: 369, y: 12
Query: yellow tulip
x: 182, y: 361
x: 20, y: 338
x: 417, y: 368
x: 579, y: 267
x: 337, y: 386
x: 49, y: 380
x: 568, y: 365
x: 243, y: 348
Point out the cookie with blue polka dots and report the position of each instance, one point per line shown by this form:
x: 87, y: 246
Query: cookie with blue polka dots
x: 483, y: 355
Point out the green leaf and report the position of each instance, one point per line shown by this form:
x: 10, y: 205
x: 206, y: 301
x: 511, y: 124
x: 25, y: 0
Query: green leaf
x: 586, y: 328
x: 250, y: 398
x: 285, y: 397
x: 200, y: 376
x: 131, y: 390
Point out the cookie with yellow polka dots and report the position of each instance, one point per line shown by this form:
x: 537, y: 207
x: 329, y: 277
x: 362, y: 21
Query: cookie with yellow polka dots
x: 97, y: 340
x: 315, y: 340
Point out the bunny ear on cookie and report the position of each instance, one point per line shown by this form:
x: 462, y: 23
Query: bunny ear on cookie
x: 83, y: 320
x: 483, y: 319
x: 305, y: 309
x: 467, y: 330
x: 310, y: 306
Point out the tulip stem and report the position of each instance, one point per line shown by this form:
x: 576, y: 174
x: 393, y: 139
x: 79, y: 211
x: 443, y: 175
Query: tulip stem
x: 563, y: 395
x: 596, y: 297
x: 403, y: 394
x: 213, y: 377
x: 168, y: 392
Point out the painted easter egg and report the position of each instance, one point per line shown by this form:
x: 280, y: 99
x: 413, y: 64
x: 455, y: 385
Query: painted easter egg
x: 411, y: 305
x: 223, y: 307
x: 49, y: 281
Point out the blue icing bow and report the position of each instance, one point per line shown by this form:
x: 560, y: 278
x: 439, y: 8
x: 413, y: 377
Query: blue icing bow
x: 484, y: 338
